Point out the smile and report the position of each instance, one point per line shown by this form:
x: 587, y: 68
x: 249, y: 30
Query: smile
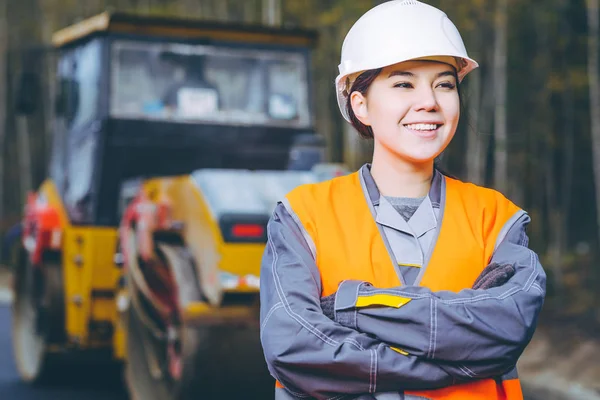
x: 423, y: 127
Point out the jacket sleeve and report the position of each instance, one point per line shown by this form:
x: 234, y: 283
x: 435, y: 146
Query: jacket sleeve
x: 484, y: 330
x: 310, y: 354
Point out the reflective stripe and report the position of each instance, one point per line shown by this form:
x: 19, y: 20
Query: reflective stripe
x: 410, y: 265
x: 507, y: 227
x: 307, y: 237
x: 397, y: 350
x: 387, y: 300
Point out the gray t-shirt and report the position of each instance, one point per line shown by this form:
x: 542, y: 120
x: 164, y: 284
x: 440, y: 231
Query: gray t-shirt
x: 406, y: 206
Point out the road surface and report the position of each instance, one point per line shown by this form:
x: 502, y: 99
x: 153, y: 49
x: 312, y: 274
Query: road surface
x: 103, y: 384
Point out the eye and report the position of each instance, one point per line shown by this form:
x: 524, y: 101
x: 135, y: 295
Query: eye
x: 447, y: 85
x: 404, y: 85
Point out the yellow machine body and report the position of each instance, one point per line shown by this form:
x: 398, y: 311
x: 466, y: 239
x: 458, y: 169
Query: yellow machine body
x: 90, y: 277
x: 213, y: 256
x: 201, y: 230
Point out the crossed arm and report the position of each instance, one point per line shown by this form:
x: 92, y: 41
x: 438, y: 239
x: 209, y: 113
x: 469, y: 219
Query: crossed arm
x: 312, y: 355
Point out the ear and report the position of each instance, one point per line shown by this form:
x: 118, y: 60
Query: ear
x: 359, y: 105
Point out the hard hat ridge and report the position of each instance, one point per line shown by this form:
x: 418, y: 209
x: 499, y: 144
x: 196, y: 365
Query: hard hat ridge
x: 397, y: 31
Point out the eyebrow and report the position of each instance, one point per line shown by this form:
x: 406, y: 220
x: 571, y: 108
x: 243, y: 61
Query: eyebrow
x: 411, y: 75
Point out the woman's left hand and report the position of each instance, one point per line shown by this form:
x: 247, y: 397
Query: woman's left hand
x: 328, y: 306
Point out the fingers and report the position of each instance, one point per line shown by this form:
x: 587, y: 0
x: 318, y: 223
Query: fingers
x: 494, y: 275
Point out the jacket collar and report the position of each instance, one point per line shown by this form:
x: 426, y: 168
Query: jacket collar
x: 423, y: 220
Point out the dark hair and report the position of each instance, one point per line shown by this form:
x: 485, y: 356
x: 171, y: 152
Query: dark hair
x: 361, y: 85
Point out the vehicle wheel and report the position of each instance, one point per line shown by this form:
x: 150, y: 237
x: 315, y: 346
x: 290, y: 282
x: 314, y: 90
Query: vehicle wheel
x: 37, y: 320
x: 162, y: 358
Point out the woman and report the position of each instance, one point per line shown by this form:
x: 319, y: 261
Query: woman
x: 397, y: 282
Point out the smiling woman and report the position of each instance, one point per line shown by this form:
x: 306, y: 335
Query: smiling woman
x: 397, y: 281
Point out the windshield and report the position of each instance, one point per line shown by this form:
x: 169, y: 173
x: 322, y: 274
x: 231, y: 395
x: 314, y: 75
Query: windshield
x: 196, y: 83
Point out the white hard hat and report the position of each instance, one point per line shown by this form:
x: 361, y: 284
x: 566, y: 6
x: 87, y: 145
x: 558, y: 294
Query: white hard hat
x: 396, y: 31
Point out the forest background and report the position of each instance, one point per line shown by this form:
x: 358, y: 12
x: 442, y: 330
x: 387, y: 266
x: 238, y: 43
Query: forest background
x: 530, y: 125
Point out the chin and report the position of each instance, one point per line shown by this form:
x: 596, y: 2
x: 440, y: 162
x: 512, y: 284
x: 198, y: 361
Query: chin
x: 422, y: 157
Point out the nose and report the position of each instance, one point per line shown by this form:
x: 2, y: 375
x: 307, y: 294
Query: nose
x: 425, y: 99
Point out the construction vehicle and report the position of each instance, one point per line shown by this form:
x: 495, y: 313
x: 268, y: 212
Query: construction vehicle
x: 173, y: 141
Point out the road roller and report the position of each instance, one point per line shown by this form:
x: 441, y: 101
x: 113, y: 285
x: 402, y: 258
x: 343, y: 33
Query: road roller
x: 173, y: 140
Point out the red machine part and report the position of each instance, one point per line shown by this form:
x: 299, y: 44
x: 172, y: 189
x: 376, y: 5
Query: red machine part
x: 141, y: 219
x: 42, y: 228
x: 147, y: 217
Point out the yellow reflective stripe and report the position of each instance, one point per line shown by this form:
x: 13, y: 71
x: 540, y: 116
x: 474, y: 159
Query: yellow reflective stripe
x: 397, y: 350
x: 388, y: 300
x: 410, y: 265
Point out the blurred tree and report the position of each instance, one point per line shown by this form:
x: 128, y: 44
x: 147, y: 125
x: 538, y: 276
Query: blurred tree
x: 500, y: 80
x: 3, y: 105
x: 594, y: 89
x: 477, y: 98
x: 272, y: 12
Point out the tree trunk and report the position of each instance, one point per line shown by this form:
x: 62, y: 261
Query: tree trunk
x: 250, y: 7
x: 475, y: 147
x: 554, y: 221
x: 485, y: 121
x: 500, y: 139
x: 561, y: 229
x: 568, y: 149
x: 3, y: 103
x: 475, y: 141
x: 192, y: 7
x: 222, y: 10
x: 24, y: 156
x: 272, y: 12
x: 594, y: 92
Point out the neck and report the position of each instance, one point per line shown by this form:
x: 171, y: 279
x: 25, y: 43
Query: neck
x: 398, y: 177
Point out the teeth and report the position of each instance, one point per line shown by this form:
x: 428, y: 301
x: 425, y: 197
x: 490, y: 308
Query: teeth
x: 422, y: 127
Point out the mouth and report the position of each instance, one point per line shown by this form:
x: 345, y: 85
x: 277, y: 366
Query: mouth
x: 424, y: 129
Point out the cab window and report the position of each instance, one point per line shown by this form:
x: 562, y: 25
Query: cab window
x: 79, y: 84
x: 198, y: 83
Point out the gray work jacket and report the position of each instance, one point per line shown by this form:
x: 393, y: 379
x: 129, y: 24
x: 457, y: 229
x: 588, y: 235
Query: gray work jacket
x: 451, y: 337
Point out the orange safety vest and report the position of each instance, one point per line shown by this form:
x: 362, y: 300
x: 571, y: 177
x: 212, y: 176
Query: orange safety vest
x: 337, y: 217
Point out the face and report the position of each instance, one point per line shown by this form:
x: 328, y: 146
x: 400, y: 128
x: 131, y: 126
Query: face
x: 413, y: 108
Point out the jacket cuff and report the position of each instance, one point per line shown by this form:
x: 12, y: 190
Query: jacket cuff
x: 345, y: 303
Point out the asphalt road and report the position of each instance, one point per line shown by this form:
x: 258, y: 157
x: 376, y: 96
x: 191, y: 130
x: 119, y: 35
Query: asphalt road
x: 72, y: 384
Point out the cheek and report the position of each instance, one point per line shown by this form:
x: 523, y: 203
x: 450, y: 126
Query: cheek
x: 386, y: 110
x: 450, y: 107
